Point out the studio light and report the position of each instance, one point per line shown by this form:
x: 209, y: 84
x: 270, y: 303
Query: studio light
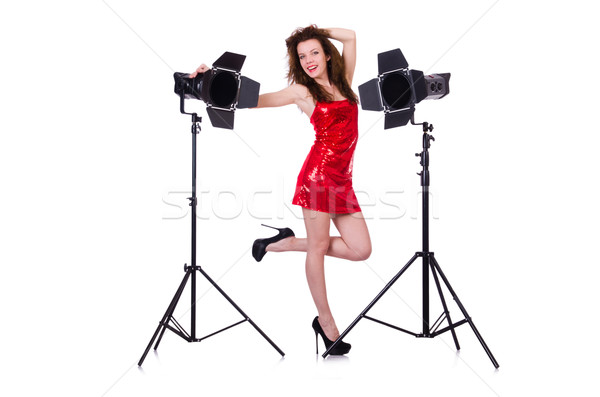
x: 222, y: 88
x: 397, y: 89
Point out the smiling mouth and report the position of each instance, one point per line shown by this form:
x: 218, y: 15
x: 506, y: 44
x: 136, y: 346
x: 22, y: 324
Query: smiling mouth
x: 311, y: 68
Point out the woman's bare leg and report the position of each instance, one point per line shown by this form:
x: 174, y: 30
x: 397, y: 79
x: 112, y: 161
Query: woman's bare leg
x: 317, y: 244
x: 354, y: 243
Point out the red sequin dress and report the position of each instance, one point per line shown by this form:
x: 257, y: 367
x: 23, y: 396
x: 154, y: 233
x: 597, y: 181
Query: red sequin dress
x: 325, y: 181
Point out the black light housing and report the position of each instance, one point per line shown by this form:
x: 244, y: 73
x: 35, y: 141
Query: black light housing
x: 397, y: 89
x: 222, y: 88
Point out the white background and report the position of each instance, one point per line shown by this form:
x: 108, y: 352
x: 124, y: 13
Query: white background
x: 95, y: 171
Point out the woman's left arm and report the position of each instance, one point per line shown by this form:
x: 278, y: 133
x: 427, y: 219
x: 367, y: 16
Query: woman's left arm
x: 348, y: 39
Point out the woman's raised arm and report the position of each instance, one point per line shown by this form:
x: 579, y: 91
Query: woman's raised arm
x: 348, y: 39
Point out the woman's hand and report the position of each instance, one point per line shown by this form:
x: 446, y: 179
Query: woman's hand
x: 200, y: 69
x: 342, y: 35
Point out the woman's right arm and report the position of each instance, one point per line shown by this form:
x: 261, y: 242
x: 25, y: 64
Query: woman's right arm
x: 275, y: 99
x: 294, y: 94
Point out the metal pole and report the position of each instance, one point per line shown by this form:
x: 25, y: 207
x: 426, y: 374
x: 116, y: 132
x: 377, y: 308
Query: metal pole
x: 425, y: 229
x: 193, y: 204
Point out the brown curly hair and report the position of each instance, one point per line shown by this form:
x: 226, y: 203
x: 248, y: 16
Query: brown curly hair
x: 336, y: 69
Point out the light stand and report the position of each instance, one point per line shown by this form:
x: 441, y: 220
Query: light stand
x: 429, y: 264
x: 168, y: 321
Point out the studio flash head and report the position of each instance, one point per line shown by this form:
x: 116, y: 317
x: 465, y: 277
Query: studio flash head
x: 222, y: 88
x: 397, y: 89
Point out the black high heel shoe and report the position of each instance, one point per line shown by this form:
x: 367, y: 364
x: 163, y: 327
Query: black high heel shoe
x: 259, y: 248
x: 340, y: 349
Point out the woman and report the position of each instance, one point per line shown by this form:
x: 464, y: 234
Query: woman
x: 320, y: 80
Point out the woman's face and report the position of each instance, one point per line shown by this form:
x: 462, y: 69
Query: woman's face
x: 312, y: 58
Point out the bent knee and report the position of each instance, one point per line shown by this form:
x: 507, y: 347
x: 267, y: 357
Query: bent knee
x: 318, y: 247
x: 363, y: 252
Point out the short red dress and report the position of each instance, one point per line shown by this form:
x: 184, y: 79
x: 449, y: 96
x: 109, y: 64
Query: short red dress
x: 325, y: 181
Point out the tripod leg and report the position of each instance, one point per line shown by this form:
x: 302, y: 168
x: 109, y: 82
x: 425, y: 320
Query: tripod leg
x: 370, y: 305
x: 241, y: 311
x: 464, y: 311
x: 264, y: 335
x: 172, y: 307
x: 446, y: 311
x: 165, y: 318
